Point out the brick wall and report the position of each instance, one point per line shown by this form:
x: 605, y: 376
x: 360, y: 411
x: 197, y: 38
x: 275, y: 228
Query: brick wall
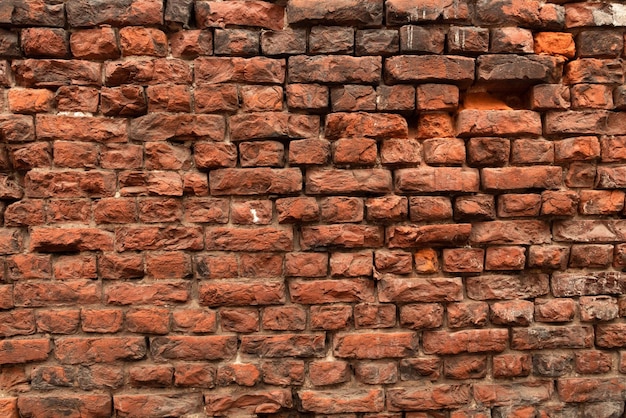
x: 350, y: 208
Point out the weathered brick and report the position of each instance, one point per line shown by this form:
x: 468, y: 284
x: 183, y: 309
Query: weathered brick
x: 251, y: 13
x: 241, y: 293
x: 400, y: 12
x: 488, y: 287
x: 345, y: 69
x: 366, y: 13
x: 371, y: 400
x: 312, y: 292
x: 239, y: 70
x: 400, y: 289
x: 431, y: 68
x: 540, y: 338
x: 193, y: 348
x: 472, y: 122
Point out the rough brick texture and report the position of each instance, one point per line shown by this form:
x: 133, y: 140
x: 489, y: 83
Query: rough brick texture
x: 300, y: 208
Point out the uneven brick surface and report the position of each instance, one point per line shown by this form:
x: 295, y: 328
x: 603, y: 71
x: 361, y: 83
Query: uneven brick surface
x: 300, y: 208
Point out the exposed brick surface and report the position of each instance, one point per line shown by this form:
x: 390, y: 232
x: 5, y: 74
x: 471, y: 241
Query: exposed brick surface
x: 296, y: 208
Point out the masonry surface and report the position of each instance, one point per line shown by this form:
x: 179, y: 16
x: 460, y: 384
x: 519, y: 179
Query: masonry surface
x: 350, y: 208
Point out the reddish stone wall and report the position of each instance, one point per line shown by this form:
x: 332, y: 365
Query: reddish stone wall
x: 351, y: 208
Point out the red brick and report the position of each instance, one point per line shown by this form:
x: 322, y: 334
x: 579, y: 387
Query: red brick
x: 241, y: 293
x: 255, y: 181
x: 93, y: 405
x: 307, y: 96
x: 505, y: 258
x: 239, y: 70
x: 48, y: 73
x: 461, y: 315
x: 511, y: 365
x: 191, y: 43
x: 539, y: 338
x: 465, y: 367
x: 323, y: 373
x: 75, y: 154
x: 101, y: 320
x: 156, y: 209
x: 161, y: 127
x: 470, y: 341
x: 251, y: 13
x: 169, y: 98
x: 351, y: 264
x: 135, y: 406
x: 29, y: 267
x: 341, y: 236
x: 284, y: 318
x: 397, y: 289
x: 351, y: 97
x: 593, y: 362
x: 449, y: 151
x: 433, y: 68
x: 161, y: 293
x: 247, y: 403
x: 29, y: 100
x: 49, y: 239
x: 24, y: 212
x: 395, y: 98
x: 17, y: 322
x: 306, y: 264
x: 463, y: 260
x: 98, y: 44
x: 258, y: 212
x: 369, y: 125
x: 590, y: 389
x: 261, y: 154
x: 193, y: 348
x: 287, y: 41
x: 437, y: 179
x: 512, y: 313
x: 555, y: 310
x: 143, y: 41
x: 123, y: 266
x: 240, y: 374
x: 502, y: 394
x: 375, y: 345
x: 507, y: 286
x: 369, y: 12
x: 194, y: 320
x: 433, y: 398
x: 239, y: 319
x: 73, y: 350
x: 421, y: 316
x: 236, y: 42
x: 121, y: 157
x: 310, y: 292
x: 331, y: 40
x: 24, y: 158
x: 297, y: 209
x: 137, y: 12
x: 17, y: 128
x: 374, y: 315
x: 429, y: 39
x: 126, y: 100
x: 151, y: 376
x: 194, y: 375
x: 58, y: 322
x: 335, y: 317
x: 267, y: 125
x: 415, y: 236
x: 510, y: 232
x: 550, y: 97
x: 284, y: 345
x: 342, y: 401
